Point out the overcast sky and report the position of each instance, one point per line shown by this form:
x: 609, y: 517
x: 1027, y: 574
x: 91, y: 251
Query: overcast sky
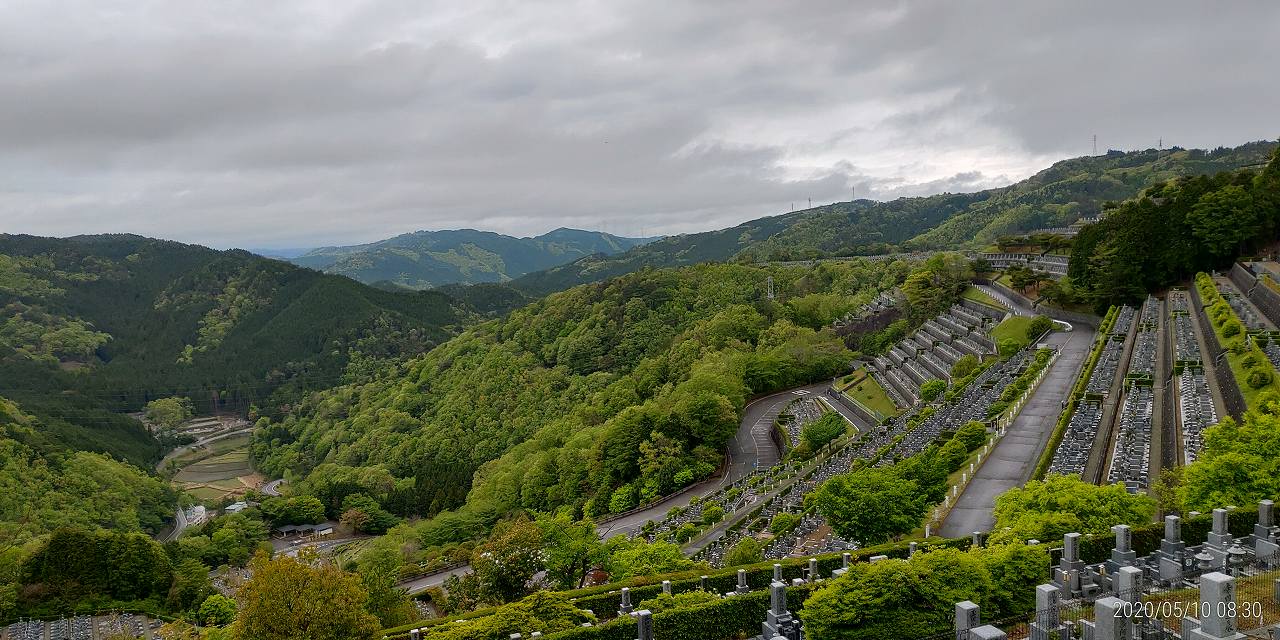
x: 290, y: 124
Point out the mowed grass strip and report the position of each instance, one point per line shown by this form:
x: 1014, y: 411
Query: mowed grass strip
x: 872, y: 395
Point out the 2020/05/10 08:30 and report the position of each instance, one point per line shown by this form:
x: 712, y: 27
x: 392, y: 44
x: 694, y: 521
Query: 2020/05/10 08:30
x: 1177, y: 609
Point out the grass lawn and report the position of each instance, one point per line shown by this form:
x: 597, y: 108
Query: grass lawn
x: 978, y: 295
x: 1241, y: 374
x: 206, y: 494
x: 1013, y: 328
x: 872, y: 395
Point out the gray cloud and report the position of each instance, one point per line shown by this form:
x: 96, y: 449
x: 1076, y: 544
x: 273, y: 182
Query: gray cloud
x: 306, y: 123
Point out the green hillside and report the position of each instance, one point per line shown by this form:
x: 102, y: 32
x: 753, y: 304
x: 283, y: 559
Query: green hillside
x: 596, y: 397
x: 98, y: 325
x: 44, y: 486
x: 426, y: 259
x: 1057, y: 196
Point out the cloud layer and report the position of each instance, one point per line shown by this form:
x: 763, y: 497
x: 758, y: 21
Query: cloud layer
x: 307, y: 123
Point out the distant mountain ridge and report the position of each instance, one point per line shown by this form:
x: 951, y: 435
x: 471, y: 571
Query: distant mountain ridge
x: 429, y: 259
x: 1066, y: 191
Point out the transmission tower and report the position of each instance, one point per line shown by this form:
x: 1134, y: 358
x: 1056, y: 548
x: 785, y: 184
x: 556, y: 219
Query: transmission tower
x: 1095, y: 144
x: 768, y: 283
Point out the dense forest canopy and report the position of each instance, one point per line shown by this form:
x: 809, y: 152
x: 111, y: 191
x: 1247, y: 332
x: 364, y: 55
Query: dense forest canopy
x: 598, y: 397
x: 44, y: 487
x: 1176, y: 229
x: 96, y: 325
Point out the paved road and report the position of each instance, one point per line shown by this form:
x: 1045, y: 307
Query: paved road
x: 1014, y: 459
x: 179, y: 525
x: 751, y: 446
x: 200, y: 443
x: 272, y: 488
x: 1010, y: 304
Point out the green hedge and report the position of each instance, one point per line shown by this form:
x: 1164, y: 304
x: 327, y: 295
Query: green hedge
x: 733, y: 617
x: 726, y: 618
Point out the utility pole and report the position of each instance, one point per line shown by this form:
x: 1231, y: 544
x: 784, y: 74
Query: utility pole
x: 810, y: 203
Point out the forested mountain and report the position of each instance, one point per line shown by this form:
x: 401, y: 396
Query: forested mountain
x: 426, y: 259
x: 1177, y: 228
x: 1057, y: 196
x: 596, y: 397
x: 1076, y: 188
x: 97, y: 325
x: 44, y: 486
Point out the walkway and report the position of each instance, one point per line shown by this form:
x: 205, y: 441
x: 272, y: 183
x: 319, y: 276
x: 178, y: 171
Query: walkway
x: 1014, y: 458
x: 1008, y: 303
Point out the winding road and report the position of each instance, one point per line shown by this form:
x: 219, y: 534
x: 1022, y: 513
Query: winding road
x: 752, y: 447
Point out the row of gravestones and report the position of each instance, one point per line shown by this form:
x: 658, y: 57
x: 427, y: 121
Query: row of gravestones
x: 1118, y: 584
x: 1072, y: 454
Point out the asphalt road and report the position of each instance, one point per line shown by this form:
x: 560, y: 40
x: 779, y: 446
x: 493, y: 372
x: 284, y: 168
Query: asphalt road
x: 1014, y: 458
x: 272, y: 488
x: 750, y: 446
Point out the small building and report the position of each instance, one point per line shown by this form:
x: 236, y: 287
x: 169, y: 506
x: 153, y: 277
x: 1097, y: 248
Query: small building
x: 237, y: 507
x: 196, y: 515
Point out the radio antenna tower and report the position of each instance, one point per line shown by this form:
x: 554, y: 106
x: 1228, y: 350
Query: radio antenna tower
x: 1095, y: 144
x: 768, y: 283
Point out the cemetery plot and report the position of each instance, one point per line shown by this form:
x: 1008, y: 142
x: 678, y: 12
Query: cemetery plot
x: 1248, y: 314
x: 929, y: 353
x: 797, y: 414
x: 1131, y: 449
x: 1071, y: 457
x: 871, y: 395
x: 82, y: 627
x: 812, y: 535
x: 1194, y: 397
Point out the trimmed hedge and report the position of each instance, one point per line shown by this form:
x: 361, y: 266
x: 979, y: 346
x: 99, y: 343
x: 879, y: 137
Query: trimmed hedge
x: 727, y: 618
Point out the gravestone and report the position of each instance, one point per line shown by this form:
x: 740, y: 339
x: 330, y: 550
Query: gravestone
x: 742, y: 582
x: 968, y: 617
x: 777, y: 572
x: 1217, y: 619
x: 779, y: 621
x: 666, y: 587
x: 1123, y: 555
x: 702, y: 583
x: 1220, y: 538
x: 813, y: 569
x: 987, y: 632
x: 1048, y: 620
x: 644, y: 625
x: 625, y: 608
x: 1067, y: 575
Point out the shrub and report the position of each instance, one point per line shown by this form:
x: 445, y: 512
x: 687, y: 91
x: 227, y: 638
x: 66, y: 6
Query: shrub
x: 712, y: 515
x: 1258, y: 378
x: 1231, y: 329
x: 931, y: 389
x: 1038, y: 326
x: 747, y: 551
x: 973, y: 434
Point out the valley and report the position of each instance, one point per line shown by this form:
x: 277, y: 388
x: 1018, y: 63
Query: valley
x: 686, y: 416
